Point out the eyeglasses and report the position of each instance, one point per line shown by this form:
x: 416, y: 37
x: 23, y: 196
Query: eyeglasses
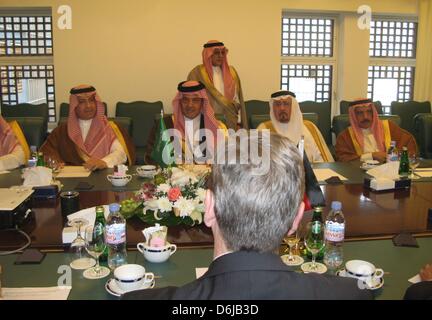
x: 89, y: 99
x: 186, y: 100
x: 219, y: 52
x: 280, y: 103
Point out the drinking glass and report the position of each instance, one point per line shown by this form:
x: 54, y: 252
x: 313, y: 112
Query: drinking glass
x: 77, y: 248
x: 54, y: 165
x: 314, y: 242
x: 291, y: 259
x: 414, y: 162
x: 95, y: 246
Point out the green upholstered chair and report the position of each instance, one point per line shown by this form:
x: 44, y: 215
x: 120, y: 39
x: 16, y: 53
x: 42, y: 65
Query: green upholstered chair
x: 220, y: 117
x: 257, y: 119
x: 341, y: 122
x: 64, y: 109
x: 256, y: 107
x: 344, y: 106
x: 407, y: 110
x: 27, y: 110
x: 423, y: 128
x: 33, y: 129
x: 143, y: 115
x: 323, y: 110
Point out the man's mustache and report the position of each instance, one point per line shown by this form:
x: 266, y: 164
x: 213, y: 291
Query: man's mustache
x: 365, y: 121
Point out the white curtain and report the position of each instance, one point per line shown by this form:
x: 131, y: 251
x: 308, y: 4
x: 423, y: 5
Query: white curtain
x: 423, y: 71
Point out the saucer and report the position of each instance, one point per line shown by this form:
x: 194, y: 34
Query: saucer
x: 297, y: 260
x: 112, y: 288
x: 379, y: 283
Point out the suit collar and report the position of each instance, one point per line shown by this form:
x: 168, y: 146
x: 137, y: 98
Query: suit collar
x: 245, y: 261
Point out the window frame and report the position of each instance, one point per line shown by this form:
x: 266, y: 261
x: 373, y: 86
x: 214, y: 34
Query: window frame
x: 395, y: 61
x: 31, y: 59
x: 313, y: 60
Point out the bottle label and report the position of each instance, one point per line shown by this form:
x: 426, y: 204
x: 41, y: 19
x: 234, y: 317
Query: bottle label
x: 334, y: 231
x: 116, y: 234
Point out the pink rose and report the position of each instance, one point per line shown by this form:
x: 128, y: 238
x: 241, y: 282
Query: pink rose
x: 174, y: 194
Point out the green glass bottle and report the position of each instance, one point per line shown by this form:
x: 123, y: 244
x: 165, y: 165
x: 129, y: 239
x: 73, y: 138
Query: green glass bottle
x: 100, y: 218
x: 404, y: 163
x: 317, y: 216
x: 40, y: 160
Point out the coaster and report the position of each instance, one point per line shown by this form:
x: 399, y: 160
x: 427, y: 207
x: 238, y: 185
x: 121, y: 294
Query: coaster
x: 295, y: 261
x: 91, y: 274
x: 82, y: 263
x: 319, y: 267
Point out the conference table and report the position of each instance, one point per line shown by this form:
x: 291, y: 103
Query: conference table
x: 372, y: 219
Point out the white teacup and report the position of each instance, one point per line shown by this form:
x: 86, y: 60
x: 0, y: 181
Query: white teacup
x: 119, y: 181
x: 156, y: 254
x: 364, y: 271
x: 130, y: 277
x: 146, y: 171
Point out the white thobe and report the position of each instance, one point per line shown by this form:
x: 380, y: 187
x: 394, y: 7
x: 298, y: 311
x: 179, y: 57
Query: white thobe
x: 369, y: 145
x: 117, y: 154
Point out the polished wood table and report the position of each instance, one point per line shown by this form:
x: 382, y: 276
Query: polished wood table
x: 369, y: 215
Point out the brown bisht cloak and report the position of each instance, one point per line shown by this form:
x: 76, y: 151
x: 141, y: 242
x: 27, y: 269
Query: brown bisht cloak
x: 221, y: 104
x: 59, y: 146
x: 345, y: 150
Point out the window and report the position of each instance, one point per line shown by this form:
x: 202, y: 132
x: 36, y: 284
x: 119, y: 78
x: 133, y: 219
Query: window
x: 307, y: 56
x: 308, y: 82
x: 26, y: 57
x: 392, y: 53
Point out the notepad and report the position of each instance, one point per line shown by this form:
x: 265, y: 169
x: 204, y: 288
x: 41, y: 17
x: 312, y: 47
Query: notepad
x: 200, y: 271
x: 48, y: 293
x: 73, y: 172
x: 424, y: 174
x: 324, y: 174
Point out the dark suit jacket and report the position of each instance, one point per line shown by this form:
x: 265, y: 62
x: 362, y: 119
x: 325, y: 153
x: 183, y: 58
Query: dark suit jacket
x: 419, y: 291
x: 251, y: 275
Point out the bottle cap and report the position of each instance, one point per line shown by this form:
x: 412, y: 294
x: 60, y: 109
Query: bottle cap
x: 336, y: 205
x: 114, y: 207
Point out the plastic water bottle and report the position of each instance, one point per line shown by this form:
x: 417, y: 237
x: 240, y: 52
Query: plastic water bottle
x: 392, y: 152
x: 33, y: 157
x: 334, y: 236
x: 115, y: 237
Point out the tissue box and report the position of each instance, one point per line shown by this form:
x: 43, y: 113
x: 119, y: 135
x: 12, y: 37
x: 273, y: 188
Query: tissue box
x: 386, y: 184
x: 16, y: 217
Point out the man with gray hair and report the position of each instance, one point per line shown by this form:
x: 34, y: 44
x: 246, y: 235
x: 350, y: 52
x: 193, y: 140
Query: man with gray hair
x: 249, y: 215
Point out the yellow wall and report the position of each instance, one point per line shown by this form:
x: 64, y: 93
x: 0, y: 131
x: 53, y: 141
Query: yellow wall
x: 139, y: 49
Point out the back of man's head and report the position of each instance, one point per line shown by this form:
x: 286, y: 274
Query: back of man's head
x: 255, y: 209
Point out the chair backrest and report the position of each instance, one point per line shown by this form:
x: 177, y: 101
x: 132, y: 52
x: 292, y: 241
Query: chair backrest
x: 341, y: 122
x: 64, y: 109
x: 423, y: 127
x: 27, y: 110
x: 33, y: 129
x: 257, y: 119
x: 323, y: 110
x: 407, y: 110
x: 344, y: 106
x: 142, y: 114
x: 254, y: 107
